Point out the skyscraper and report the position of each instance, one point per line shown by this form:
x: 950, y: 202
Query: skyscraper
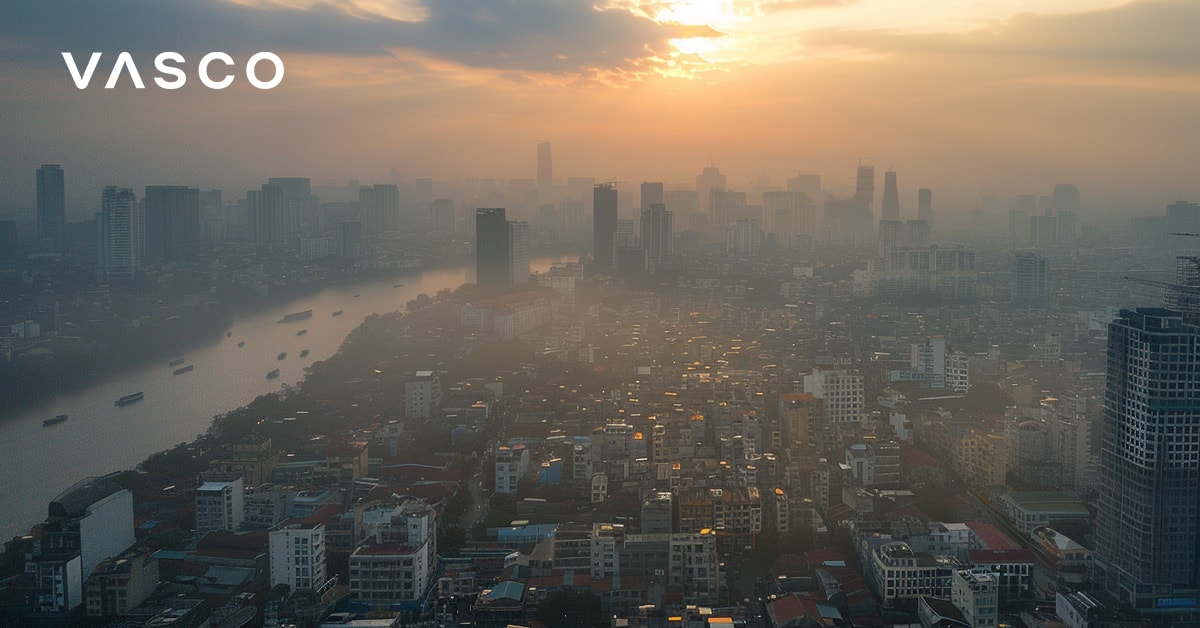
x: 1147, y: 520
x: 864, y: 186
x: 652, y: 194
x: 1066, y: 197
x: 891, y: 197
x: 51, y: 206
x: 604, y: 224
x: 492, y: 257
x: 658, y: 236
x: 708, y: 180
x: 120, y: 234
x: 172, y: 214
x: 545, y: 169
x: 1030, y: 287
x: 925, y: 205
x: 518, y: 252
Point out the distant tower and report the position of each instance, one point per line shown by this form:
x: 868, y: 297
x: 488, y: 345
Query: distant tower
x: 604, y: 224
x: 891, y: 197
x: 1066, y: 197
x: 1030, y: 287
x: 707, y: 181
x: 864, y: 188
x: 925, y: 205
x: 518, y: 252
x: 172, y: 214
x: 652, y: 194
x: 51, y: 207
x: 658, y: 236
x: 545, y: 169
x: 492, y: 261
x: 120, y: 234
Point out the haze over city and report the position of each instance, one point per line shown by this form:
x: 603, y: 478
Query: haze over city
x: 969, y: 99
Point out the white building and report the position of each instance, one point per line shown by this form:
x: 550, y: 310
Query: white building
x: 398, y: 561
x: 422, y: 395
x: 958, y: 372
x: 220, y: 505
x: 297, y: 556
x: 975, y: 592
x: 841, y: 393
x: 512, y: 463
x: 89, y: 522
x: 899, y: 572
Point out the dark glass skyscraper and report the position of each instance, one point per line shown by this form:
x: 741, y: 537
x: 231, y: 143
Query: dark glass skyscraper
x: 51, y: 206
x: 492, y: 256
x: 172, y: 214
x: 891, y: 197
x: 1148, y: 519
x: 604, y: 224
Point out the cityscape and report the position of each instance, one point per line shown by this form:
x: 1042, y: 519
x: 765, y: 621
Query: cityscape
x: 627, y: 315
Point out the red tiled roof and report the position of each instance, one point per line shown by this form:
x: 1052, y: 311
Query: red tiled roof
x: 991, y: 535
x: 913, y: 457
x: 322, y: 515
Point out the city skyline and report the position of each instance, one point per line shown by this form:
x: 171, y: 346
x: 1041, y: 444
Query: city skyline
x: 991, y: 98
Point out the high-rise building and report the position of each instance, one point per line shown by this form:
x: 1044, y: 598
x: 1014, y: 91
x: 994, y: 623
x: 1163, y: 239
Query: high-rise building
x: 545, y: 169
x: 1066, y: 197
x: 297, y: 556
x: 1148, y: 516
x: 267, y: 212
x: 707, y: 181
x: 658, y: 235
x: 51, y: 206
x: 891, y: 197
x: 604, y: 224
x: 652, y: 194
x: 379, y: 207
x: 172, y: 215
x: 790, y: 214
x: 925, y: 205
x: 492, y: 256
x: 518, y: 252
x: 1030, y: 286
x: 809, y: 184
x: 120, y: 245
x: 726, y: 207
x: 864, y: 186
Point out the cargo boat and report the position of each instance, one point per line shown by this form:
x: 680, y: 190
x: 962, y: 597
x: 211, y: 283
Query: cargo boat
x: 273, y: 374
x: 183, y: 369
x: 59, y: 418
x: 296, y: 316
x: 130, y: 398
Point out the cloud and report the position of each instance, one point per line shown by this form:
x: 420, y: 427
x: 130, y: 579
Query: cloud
x: 511, y: 35
x: 1152, y: 36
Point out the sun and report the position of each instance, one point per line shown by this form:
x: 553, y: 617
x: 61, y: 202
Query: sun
x: 715, y: 13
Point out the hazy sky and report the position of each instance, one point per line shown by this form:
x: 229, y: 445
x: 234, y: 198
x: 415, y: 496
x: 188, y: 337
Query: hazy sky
x: 967, y: 97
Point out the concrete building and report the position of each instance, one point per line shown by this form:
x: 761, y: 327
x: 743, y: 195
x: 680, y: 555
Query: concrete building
x: 397, y: 562
x: 88, y: 523
x: 976, y: 593
x: 512, y: 463
x: 422, y: 395
x: 220, y: 505
x: 841, y: 393
x: 297, y: 556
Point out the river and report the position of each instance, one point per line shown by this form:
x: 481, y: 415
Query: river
x: 39, y: 462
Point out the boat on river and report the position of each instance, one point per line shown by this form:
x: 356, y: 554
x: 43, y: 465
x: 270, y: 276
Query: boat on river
x: 281, y: 356
x: 273, y: 374
x: 183, y: 369
x: 296, y: 316
x: 304, y: 353
x: 130, y: 398
x: 177, y: 361
x: 302, y: 332
x: 337, y: 313
x: 55, y: 420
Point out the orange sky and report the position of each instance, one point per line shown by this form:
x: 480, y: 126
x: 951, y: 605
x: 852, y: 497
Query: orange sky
x: 966, y: 97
